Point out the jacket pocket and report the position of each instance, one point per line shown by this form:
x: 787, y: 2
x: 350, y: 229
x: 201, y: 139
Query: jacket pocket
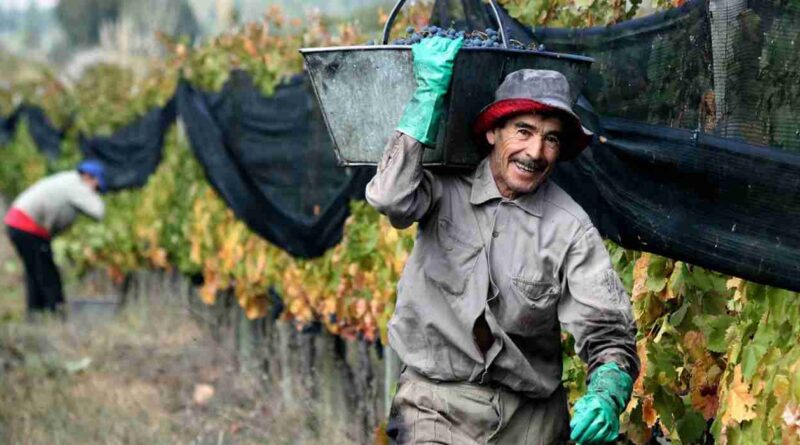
x: 536, y: 291
x: 450, y: 264
x: 539, y: 301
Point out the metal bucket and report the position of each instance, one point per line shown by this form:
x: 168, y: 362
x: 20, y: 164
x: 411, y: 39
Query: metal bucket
x: 363, y: 90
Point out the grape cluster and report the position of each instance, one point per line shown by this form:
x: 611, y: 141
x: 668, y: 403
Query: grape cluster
x: 489, y: 38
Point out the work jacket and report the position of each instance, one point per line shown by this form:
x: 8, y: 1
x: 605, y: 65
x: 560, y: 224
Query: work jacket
x: 51, y: 205
x: 529, y: 267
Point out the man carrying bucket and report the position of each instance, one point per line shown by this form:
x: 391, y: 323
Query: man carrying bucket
x: 504, y: 259
x: 42, y: 211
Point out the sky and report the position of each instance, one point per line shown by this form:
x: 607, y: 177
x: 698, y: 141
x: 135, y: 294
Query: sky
x: 24, y: 4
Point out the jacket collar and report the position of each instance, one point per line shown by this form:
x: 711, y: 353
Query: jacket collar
x: 484, y: 189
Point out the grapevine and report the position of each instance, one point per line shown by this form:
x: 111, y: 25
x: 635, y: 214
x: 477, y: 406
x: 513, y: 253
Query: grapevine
x: 718, y: 353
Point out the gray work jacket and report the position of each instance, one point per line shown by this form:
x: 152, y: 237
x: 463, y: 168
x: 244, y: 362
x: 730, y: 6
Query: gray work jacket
x: 531, y: 266
x: 55, y: 201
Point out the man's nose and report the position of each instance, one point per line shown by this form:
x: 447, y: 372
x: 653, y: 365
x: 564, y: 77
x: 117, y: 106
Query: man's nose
x: 535, y: 147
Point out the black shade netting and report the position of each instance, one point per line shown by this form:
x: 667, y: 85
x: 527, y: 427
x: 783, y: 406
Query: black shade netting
x: 727, y: 67
x: 757, y: 67
x: 44, y: 134
x: 132, y: 153
x: 683, y: 104
x: 272, y: 161
x: 8, y: 125
x: 707, y: 200
x: 655, y: 69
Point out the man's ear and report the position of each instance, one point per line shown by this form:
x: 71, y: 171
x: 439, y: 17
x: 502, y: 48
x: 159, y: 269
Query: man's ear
x: 490, y: 137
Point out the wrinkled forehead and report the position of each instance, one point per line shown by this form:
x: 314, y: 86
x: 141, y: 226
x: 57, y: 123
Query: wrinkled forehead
x: 547, y: 121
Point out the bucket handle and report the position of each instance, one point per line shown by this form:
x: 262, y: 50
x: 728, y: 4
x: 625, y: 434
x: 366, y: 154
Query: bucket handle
x: 399, y: 5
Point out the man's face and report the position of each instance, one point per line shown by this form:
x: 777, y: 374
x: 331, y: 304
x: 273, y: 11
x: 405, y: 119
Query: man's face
x: 525, y: 152
x: 91, y: 181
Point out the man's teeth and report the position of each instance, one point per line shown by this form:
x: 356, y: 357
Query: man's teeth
x: 524, y: 167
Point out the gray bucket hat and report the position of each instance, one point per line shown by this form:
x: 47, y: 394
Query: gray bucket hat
x: 536, y: 91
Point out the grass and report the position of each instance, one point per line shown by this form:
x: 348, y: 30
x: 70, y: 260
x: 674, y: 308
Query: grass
x: 12, y: 297
x: 131, y: 378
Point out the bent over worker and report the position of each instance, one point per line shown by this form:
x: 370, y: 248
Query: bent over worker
x: 43, y: 211
x: 504, y: 259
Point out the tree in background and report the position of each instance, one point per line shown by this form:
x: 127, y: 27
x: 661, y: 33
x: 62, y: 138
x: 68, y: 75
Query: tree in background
x: 82, y: 20
x: 147, y: 17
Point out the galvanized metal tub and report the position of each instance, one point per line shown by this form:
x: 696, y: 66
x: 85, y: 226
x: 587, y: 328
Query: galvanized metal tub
x: 363, y: 90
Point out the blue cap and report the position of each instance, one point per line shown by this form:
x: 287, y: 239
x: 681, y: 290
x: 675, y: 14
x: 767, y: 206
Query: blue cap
x: 97, y: 170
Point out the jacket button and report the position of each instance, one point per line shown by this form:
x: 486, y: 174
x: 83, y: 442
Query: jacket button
x: 495, y: 234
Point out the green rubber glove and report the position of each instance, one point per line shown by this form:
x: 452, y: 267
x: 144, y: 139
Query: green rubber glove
x: 596, y: 416
x: 433, y: 68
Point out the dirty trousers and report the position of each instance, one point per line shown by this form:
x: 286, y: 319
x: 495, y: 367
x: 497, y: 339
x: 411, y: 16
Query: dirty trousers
x: 430, y: 412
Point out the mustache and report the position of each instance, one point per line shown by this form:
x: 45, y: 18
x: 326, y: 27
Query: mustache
x: 539, y: 165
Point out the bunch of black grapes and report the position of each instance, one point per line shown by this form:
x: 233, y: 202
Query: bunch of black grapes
x: 489, y: 38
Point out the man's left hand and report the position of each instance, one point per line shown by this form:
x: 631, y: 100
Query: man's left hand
x: 594, y: 421
x: 596, y: 416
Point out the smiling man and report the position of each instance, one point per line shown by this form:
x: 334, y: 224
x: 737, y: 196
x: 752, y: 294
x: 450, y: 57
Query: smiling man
x: 504, y: 260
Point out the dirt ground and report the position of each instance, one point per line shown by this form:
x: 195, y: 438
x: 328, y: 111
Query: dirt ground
x: 149, y: 374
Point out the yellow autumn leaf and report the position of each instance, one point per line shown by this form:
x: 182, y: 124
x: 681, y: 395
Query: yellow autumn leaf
x: 250, y: 47
x: 733, y: 283
x: 739, y: 285
x: 194, y: 252
x: 369, y: 279
x: 398, y: 263
x: 376, y: 307
x: 739, y: 403
x: 297, y: 306
x: 392, y: 235
x: 208, y: 293
x: 641, y: 351
x: 261, y: 264
x: 667, y: 294
x: 360, y: 308
x: 293, y: 291
x: 305, y: 315
x: 352, y: 270
x: 158, y: 257
x: 781, y: 388
x: 329, y: 306
x: 255, y: 308
x: 649, y: 414
x: 242, y: 296
x: 640, y: 277
x: 314, y: 295
x: 703, y: 388
x: 632, y: 404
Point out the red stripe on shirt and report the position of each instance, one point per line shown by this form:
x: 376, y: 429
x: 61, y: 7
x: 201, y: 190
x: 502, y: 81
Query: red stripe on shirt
x: 20, y: 220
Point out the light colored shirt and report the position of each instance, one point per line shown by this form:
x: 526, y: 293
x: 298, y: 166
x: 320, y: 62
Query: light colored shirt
x: 531, y: 266
x: 55, y: 201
